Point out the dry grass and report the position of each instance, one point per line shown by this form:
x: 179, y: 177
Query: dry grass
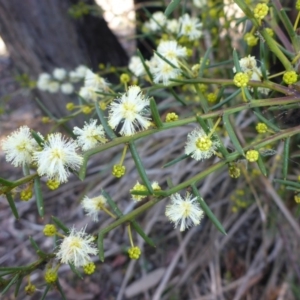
x: 257, y: 259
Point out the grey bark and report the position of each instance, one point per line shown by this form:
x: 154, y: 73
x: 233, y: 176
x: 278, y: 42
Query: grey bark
x: 40, y: 35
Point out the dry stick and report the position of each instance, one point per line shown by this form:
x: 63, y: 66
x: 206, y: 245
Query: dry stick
x: 254, y: 193
x: 290, y: 254
x: 214, y: 267
x: 271, y: 191
x: 169, y: 271
x: 206, y: 251
x: 234, y: 285
x: 258, y: 265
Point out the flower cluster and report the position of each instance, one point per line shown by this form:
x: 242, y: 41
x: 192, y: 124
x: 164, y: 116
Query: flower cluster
x: 93, y: 85
x: 61, y: 80
x: 142, y: 188
x: 165, y: 63
x: 185, y: 26
x: 54, y: 158
x: 249, y: 66
x: 164, y: 70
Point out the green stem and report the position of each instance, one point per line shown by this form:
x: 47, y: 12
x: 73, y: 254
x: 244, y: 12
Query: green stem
x: 212, y: 114
x: 269, y: 40
x: 217, y: 166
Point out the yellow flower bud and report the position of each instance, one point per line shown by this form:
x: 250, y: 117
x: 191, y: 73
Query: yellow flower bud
x: 241, y: 79
x: 252, y: 155
x: 134, y: 252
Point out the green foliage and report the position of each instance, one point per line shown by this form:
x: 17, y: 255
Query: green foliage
x: 186, y: 71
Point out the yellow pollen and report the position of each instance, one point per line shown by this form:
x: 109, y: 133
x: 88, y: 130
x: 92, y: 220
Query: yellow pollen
x: 22, y: 146
x: 204, y: 143
x: 188, y: 28
x: 76, y: 243
x: 56, y: 153
x: 171, y: 54
x: 186, y: 209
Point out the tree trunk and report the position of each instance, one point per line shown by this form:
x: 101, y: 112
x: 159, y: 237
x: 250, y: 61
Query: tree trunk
x: 40, y: 35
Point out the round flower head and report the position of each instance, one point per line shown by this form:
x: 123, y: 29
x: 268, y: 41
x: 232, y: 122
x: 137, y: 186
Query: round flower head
x: 94, y: 81
x: 200, y: 3
x: 43, y: 81
x: 136, y: 66
x: 67, y: 88
x: 88, y: 94
x: 173, y: 26
x: 241, y: 79
x: 53, y: 87
x: 158, y: 20
x: 81, y: 71
x: 19, y: 147
x: 162, y: 71
x: 90, y: 135
x: 129, y: 110
x: 138, y: 188
x: 92, y: 206
x: 199, y: 145
x: 190, y: 27
x: 184, y: 211
x: 57, y: 157
x: 247, y: 64
x: 77, y: 248
x: 59, y: 73
x: 171, y: 51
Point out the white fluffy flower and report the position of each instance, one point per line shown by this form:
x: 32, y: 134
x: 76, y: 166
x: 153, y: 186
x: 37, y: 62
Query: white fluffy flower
x: 88, y: 94
x: 67, y: 88
x: 173, y: 26
x: 129, y: 110
x: 200, y: 3
x: 171, y: 51
x: 78, y: 74
x: 59, y: 73
x: 136, y: 66
x: 184, y: 211
x: 249, y: 66
x: 162, y: 71
x: 19, y: 147
x: 190, y: 27
x: 90, y: 135
x: 76, y: 248
x: 95, y: 81
x: 92, y: 206
x: 57, y: 157
x: 53, y: 87
x: 81, y: 71
x: 43, y: 81
x: 157, y: 21
x: 199, y: 145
